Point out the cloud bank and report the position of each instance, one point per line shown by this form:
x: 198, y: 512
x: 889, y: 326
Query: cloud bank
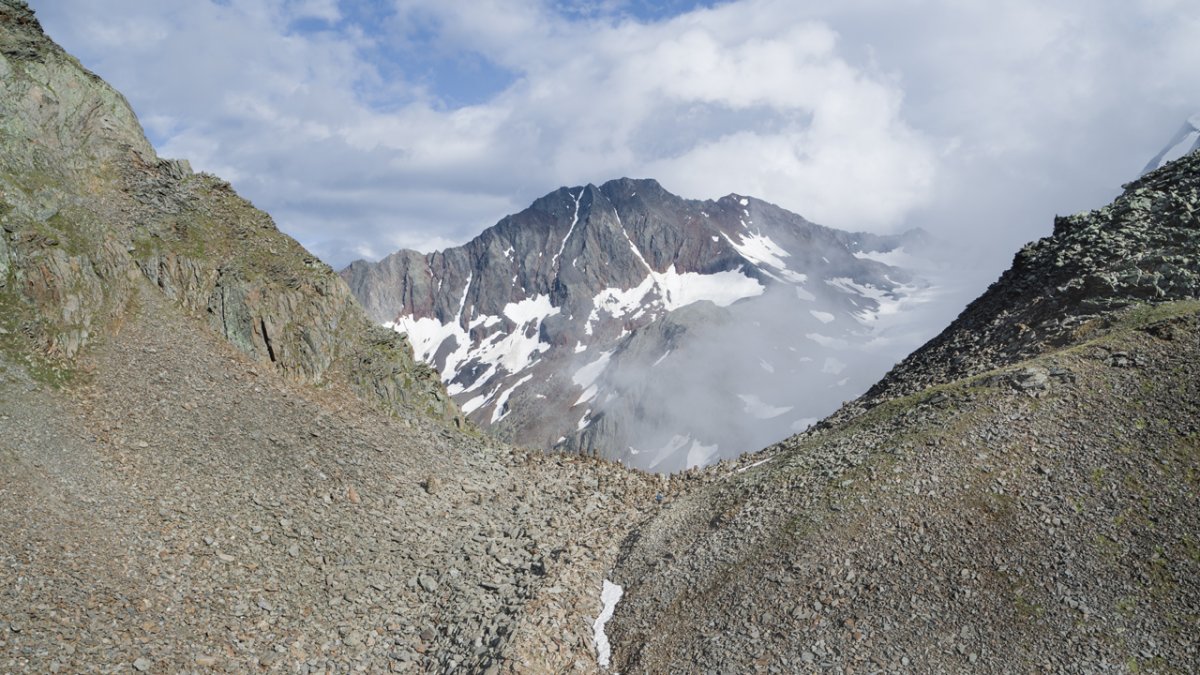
x: 366, y: 126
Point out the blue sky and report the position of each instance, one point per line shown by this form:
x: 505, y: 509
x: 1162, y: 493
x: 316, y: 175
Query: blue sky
x: 365, y: 126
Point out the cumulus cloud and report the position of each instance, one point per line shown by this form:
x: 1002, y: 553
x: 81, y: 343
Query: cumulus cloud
x: 367, y: 126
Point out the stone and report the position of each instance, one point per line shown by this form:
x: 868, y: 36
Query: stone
x: 431, y: 484
x: 1031, y: 379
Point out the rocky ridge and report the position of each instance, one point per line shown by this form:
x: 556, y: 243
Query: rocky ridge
x: 1141, y: 248
x: 87, y: 208
x: 545, y: 325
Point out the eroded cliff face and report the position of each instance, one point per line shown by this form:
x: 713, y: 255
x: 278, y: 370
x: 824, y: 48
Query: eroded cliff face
x: 87, y: 208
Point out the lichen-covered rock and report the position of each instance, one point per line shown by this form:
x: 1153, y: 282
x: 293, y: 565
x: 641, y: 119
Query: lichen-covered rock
x: 87, y: 208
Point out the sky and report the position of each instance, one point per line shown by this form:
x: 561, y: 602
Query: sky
x: 365, y: 126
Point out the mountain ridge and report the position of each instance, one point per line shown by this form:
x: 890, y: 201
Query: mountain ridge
x: 1020, y: 493
x: 89, y: 207
x: 546, y: 306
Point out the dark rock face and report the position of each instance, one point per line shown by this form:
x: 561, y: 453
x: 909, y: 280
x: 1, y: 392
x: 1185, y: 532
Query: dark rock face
x: 546, y: 327
x: 87, y: 208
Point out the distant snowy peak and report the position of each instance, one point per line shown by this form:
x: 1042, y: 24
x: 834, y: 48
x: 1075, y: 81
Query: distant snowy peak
x: 1185, y: 141
x: 545, y: 326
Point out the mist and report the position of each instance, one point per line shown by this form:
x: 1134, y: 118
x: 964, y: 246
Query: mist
x: 737, y: 379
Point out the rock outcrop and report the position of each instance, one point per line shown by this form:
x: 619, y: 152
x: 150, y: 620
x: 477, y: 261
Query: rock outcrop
x: 87, y: 208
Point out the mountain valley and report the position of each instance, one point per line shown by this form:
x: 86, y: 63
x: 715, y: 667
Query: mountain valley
x: 213, y: 458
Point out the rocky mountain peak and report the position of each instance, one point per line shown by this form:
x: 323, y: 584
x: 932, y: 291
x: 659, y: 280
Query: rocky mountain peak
x: 545, y: 325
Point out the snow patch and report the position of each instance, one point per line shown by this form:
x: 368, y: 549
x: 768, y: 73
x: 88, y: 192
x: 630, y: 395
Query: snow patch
x: 499, y: 413
x: 823, y: 317
x: 698, y: 454
x: 671, y: 290
x: 833, y: 366
x: 760, y: 462
x: 826, y: 341
x: 512, y: 352
x: 759, y: 409
x: 587, y: 395
x: 587, y: 375
x: 896, y: 257
x: 574, y: 221
x: 888, y: 303
x: 763, y: 251
x: 478, y: 402
x: 610, y: 595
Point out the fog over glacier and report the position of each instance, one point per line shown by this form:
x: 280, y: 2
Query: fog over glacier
x: 757, y: 372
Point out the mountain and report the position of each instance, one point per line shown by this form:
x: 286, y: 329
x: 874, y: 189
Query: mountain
x: 626, y: 321
x: 1186, y: 140
x: 210, y: 460
x: 1019, y: 494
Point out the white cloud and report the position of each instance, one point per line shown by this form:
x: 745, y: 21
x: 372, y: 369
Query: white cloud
x: 863, y: 114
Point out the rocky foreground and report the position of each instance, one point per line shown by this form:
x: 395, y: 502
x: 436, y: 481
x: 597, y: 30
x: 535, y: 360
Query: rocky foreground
x: 178, y: 507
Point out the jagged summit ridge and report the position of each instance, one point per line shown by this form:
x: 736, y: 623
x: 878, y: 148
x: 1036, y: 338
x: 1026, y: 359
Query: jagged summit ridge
x: 544, y: 326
